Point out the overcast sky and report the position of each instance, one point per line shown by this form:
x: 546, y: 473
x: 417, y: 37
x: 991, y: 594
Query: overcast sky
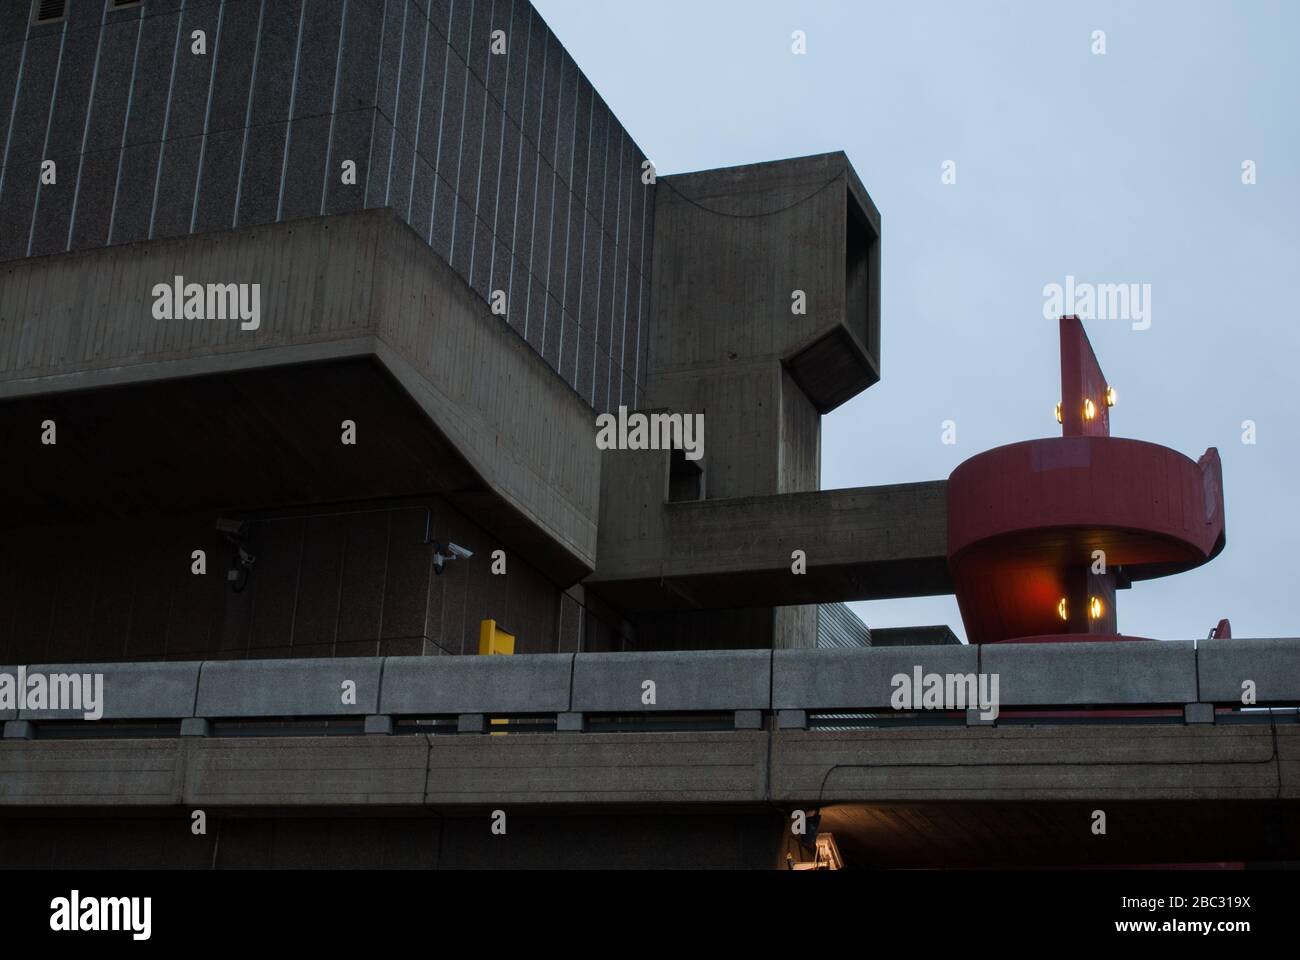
x: 1117, y: 168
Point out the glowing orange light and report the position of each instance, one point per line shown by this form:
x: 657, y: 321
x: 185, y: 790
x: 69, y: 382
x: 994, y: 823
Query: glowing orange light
x: 1111, y: 397
x: 1094, y: 608
x: 1059, y: 418
x: 1062, y: 610
x: 1089, y: 410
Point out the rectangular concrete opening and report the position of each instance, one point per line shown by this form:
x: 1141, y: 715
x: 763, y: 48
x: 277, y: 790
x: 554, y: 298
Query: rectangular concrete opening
x: 857, y: 278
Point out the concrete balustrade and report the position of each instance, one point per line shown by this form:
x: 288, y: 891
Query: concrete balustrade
x: 749, y: 683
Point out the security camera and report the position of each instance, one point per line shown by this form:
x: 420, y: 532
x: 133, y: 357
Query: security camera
x: 441, y: 559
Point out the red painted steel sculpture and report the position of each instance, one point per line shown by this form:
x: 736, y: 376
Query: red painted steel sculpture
x: 1042, y: 533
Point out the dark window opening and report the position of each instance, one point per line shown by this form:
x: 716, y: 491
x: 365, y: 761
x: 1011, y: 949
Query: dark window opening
x: 685, y: 478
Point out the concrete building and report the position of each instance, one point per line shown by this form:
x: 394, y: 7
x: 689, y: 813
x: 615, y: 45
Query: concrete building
x: 295, y: 295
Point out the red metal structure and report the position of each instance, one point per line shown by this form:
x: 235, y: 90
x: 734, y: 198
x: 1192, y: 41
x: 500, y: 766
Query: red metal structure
x: 1042, y: 533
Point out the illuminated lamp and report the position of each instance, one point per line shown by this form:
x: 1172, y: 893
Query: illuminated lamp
x: 1062, y: 610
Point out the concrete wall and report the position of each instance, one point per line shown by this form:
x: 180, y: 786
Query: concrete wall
x: 341, y: 584
x: 511, y: 167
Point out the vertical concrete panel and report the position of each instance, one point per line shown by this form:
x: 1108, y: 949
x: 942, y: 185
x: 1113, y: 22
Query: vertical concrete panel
x: 444, y: 212
x: 406, y: 587
x: 452, y: 120
x: 489, y: 182
x: 539, y: 42
x: 393, y: 35
x: 137, y: 177
x: 279, y: 547
x: 362, y: 593
x: 498, y: 64
x: 158, y: 567
x: 317, y: 60
x: 113, y: 85
x: 220, y: 180
x: 31, y: 112
x: 481, y: 268
x: 73, y: 96
x: 196, y: 605
x: 508, y: 183
x: 178, y: 179
x: 472, y: 141
x: 194, y: 72
x: 422, y: 197
x: 17, y: 200
x: 540, y: 239
x: 114, y: 592
x: 160, y: 42
x: 480, y: 35
x: 359, y: 64
x: 585, y: 360
x: 431, y: 107
x: 234, y: 65
x: 319, y: 584
x: 302, y: 187
x: 461, y: 21
x: 351, y: 141
x: 535, y: 327
x: 566, y: 118
x: 557, y: 237
x: 71, y: 615
x: 275, y: 62
x: 259, y: 193
x: 52, y: 209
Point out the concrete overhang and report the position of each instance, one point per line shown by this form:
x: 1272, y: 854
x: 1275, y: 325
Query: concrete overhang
x: 359, y: 320
x: 860, y: 543
x: 734, y: 245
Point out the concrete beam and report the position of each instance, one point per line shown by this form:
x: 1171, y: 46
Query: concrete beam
x: 1020, y: 763
x: 1073, y: 762
x: 861, y: 544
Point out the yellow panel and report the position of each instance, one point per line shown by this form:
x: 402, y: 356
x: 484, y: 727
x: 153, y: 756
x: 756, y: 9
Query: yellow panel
x: 494, y: 642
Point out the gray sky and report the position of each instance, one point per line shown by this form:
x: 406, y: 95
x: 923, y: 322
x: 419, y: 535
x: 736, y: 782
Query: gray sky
x: 1119, y: 168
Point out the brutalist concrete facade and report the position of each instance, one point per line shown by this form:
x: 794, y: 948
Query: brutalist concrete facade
x: 508, y: 163
x: 222, y: 161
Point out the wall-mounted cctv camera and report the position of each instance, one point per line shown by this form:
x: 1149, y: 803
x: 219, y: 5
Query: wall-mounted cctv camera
x: 441, y: 559
x: 235, y: 533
